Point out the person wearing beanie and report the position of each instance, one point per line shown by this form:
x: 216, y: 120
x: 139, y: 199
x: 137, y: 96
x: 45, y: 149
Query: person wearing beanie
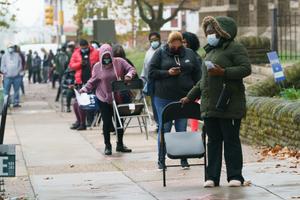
x: 223, y: 102
x: 174, y: 70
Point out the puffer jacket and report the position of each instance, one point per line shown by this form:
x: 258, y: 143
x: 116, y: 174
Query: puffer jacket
x: 233, y: 57
x: 76, y: 60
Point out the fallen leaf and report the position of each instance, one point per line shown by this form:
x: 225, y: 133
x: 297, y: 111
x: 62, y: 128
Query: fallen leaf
x: 293, y: 166
x: 296, y: 197
x: 277, y: 166
x: 247, y: 183
x: 71, y: 166
x: 261, y: 159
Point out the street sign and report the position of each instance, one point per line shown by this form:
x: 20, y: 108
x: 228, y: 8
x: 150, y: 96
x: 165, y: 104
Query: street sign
x: 7, y: 160
x: 276, y: 66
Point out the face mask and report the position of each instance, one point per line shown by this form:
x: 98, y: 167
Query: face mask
x: 175, y: 51
x: 10, y: 50
x: 212, y: 40
x: 95, y: 46
x: 85, y: 50
x: 155, y: 44
x: 106, y: 61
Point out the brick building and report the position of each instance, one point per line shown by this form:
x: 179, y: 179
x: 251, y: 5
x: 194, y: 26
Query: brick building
x: 254, y: 17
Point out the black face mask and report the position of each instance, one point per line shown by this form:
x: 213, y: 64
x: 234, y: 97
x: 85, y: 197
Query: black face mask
x: 175, y: 51
x: 106, y: 61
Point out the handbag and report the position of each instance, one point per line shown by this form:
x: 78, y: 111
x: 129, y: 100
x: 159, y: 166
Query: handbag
x: 87, y: 102
x: 148, y: 89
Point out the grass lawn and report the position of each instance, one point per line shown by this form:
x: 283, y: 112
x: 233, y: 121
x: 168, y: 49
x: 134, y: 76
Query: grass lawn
x: 137, y: 58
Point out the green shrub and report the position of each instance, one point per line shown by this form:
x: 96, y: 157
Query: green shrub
x: 269, y: 88
x: 290, y: 94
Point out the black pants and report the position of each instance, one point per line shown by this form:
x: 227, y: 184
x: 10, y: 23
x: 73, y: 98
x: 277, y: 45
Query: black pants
x: 225, y: 131
x: 69, y: 95
x: 107, y: 115
x: 36, y: 76
x: 29, y: 75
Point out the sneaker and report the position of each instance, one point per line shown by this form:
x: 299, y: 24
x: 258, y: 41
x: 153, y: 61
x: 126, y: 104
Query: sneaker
x: 75, y: 126
x: 68, y: 110
x: 17, y: 106
x: 235, y: 183
x: 107, y: 150
x: 184, y: 164
x: 122, y: 148
x: 81, y: 128
x: 209, y: 184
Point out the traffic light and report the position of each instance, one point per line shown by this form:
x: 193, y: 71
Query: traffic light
x: 49, y: 15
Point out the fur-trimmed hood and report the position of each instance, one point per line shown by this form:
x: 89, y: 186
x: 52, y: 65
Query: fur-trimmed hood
x: 225, y: 26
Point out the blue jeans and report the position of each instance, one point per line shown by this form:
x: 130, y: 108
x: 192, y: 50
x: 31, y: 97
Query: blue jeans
x: 16, y: 83
x: 180, y: 124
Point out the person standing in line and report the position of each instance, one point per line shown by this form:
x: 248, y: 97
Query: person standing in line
x: 106, y: 71
x: 18, y: 50
x: 11, y: 67
x: 175, y: 70
x: 29, y: 65
x: 223, y: 101
x: 2, y: 52
x: 190, y: 40
x: 82, y: 62
x: 155, y: 43
x: 61, y: 62
x: 36, y: 67
x: 45, y: 65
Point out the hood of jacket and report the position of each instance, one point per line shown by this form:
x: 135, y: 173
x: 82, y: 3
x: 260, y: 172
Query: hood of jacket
x: 105, y: 49
x: 225, y: 26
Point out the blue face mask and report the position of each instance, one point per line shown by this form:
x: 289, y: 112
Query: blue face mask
x: 155, y: 44
x: 212, y: 40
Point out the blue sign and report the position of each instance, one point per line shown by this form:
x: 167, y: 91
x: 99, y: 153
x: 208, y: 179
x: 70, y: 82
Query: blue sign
x: 276, y: 66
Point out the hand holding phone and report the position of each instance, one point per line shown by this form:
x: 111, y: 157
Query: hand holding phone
x: 174, y: 71
x: 209, y: 65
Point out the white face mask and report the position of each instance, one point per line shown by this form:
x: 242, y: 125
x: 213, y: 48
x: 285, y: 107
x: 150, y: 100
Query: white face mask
x: 95, y: 46
x: 212, y: 40
x: 155, y: 44
x: 10, y: 50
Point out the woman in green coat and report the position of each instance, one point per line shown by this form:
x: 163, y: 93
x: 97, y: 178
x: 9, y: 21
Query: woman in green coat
x: 223, y: 102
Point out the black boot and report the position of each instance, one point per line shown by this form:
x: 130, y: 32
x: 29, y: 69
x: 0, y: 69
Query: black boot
x: 122, y: 148
x: 75, y: 126
x: 107, y: 150
x: 82, y: 127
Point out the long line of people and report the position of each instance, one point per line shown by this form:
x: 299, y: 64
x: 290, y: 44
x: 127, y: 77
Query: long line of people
x: 171, y: 72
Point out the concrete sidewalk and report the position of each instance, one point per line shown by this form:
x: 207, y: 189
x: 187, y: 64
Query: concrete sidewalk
x: 55, y: 162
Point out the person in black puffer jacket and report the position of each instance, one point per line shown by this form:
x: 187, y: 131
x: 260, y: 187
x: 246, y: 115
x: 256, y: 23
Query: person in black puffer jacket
x: 174, y: 70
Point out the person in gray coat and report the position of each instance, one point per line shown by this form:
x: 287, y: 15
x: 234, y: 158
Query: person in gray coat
x: 11, y: 68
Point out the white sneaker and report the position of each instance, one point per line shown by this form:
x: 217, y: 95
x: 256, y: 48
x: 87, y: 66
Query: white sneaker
x: 235, y: 183
x: 209, y: 184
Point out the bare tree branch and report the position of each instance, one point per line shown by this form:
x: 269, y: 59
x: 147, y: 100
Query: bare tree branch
x: 174, y: 14
x: 141, y: 11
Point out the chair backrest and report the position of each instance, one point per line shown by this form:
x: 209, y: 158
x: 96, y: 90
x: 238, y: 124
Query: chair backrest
x: 3, y: 118
x: 136, y: 84
x: 177, y: 110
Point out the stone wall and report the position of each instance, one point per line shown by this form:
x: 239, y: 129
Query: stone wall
x: 272, y: 121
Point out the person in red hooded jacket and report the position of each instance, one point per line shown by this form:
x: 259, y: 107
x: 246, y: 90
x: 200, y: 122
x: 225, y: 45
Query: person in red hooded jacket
x: 82, y: 61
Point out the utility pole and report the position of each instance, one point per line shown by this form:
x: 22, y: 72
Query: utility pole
x: 133, y: 24
x: 61, y: 20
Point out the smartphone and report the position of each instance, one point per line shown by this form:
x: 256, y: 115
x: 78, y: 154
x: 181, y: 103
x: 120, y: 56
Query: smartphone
x: 209, y: 64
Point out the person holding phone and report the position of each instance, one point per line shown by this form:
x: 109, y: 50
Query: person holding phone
x: 175, y: 70
x: 223, y: 102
